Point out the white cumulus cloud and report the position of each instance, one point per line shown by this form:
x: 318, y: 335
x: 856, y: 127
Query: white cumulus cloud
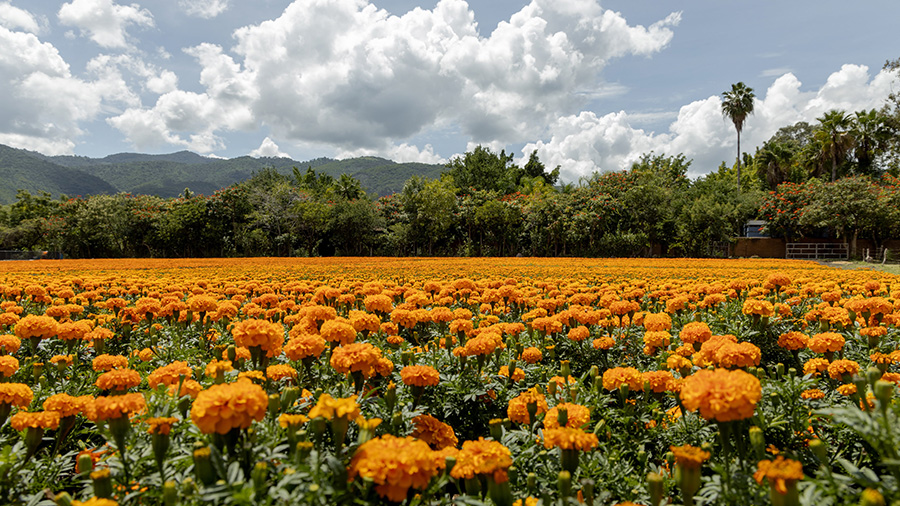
x: 401, y: 153
x: 14, y: 18
x: 104, y: 21
x: 206, y: 9
x: 268, y: 148
x: 584, y: 143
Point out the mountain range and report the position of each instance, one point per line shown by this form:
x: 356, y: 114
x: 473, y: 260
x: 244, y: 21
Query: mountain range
x: 168, y: 175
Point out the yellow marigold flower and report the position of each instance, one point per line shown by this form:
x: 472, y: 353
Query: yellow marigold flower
x: 815, y: 366
x: 293, y: 421
x: 517, y: 410
x: 481, y: 457
x: 169, y: 374
x: 420, y: 375
x: 265, y: 334
x: 695, y: 332
x: 95, y: 501
x: 189, y: 388
x: 568, y: 438
x: 848, y: 389
x: 528, y: 501
x: 38, y: 420
x: 304, y: 345
x: 435, y: 433
x: 689, y: 457
x: 812, y: 394
x: 532, y: 355
x: 118, y: 379
x: 660, y: 381
x: 577, y: 416
x: 618, y: 376
x: 43, y: 327
x: 395, y: 465
x: 8, y: 365
x: 114, y: 406
x: 280, y: 371
x: 338, y: 331
x: 707, y: 354
x: 9, y: 343
x: 65, y: 359
x: 362, y: 357
x: 793, y: 340
x: 780, y: 473
x: 826, y: 342
x: 721, y: 395
x: 758, y: 307
x: 15, y: 394
x: 109, y: 362
x: 66, y: 405
x: 779, y: 280
x: 838, y: 368
x: 215, y: 365
x: 677, y: 362
x: 221, y: 408
x: 657, y: 338
x: 160, y: 425
x: 329, y: 408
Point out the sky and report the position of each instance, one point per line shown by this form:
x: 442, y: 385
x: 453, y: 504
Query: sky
x: 591, y: 85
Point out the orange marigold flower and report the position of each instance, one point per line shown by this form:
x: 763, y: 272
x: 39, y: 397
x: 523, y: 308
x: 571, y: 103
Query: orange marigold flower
x: 812, y: 394
x: 689, y: 457
x: 655, y: 322
x: 721, y: 395
x: 826, y: 342
x: 66, y: 405
x: 118, y: 379
x: 395, y: 465
x: 678, y: 362
x: 483, y: 344
x: 221, y: 408
x: 362, y: 357
x: 603, y: 343
x: 838, y: 368
x: 734, y: 355
x: 15, y: 394
x: 378, y: 303
x: 160, y: 425
x: 815, y: 366
x: 8, y: 365
x: 114, y: 406
x: 420, y: 375
x: 657, y: 338
x: 793, y: 340
x: 280, y: 371
x: 518, y: 374
x: 780, y: 473
x: 338, y: 331
x: 202, y: 304
x: 43, y: 327
x: 329, y: 408
x: 99, y: 333
x: 304, y: 345
x: 532, y: 355
x: 267, y: 335
x: 659, y: 381
x: 517, y: 410
x: 568, y: 438
x: 481, y: 457
x: 758, y: 307
x: 69, y: 331
x: 872, y: 331
x: 435, y: 433
x: 848, y: 389
x: 169, y: 374
x: 37, y: 419
x: 292, y: 421
x: 576, y: 414
x: 65, y: 359
x: 695, y: 332
x: 215, y: 365
x: 109, y: 362
x: 9, y: 343
x: 190, y: 388
x: 618, y: 376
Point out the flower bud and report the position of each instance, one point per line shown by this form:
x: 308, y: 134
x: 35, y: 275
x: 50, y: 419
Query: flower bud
x: 170, y: 494
x: 103, y: 487
x: 564, y: 369
x: 63, y: 499
x: 203, y: 467
x: 564, y: 483
x: 656, y: 487
x: 873, y: 374
x: 84, y: 464
x: 820, y: 450
x: 871, y: 497
x: 562, y: 416
x: 258, y: 475
x: 884, y: 390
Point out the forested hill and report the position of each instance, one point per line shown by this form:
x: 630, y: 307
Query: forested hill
x: 168, y: 175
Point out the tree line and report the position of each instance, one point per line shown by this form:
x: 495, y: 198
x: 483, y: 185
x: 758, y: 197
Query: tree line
x: 836, y: 176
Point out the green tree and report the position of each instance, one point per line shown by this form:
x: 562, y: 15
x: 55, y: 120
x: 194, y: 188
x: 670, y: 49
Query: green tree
x: 737, y: 104
x: 835, y: 138
x: 482, y: 169
x: 871, y: 133
x: 849, y: 206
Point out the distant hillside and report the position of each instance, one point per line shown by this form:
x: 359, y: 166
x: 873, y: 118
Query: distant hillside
x: 168, y: 175
x: 20, y: 169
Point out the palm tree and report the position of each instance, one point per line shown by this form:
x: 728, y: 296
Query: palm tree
x: 737, y: 104
x: 834, y: 132
x: 870, y: 131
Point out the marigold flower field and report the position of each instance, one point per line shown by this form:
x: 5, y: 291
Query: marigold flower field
x: 447, y: 381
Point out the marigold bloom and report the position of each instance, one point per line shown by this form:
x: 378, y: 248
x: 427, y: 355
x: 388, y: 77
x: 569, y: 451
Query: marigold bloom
x: 114, y: 406
x: 689, y: 456
x: 169, y: 374
x: 109, y: 362
x: 66, y: 405
x: 280, y: 371
x: 695, y: 332
x: 65, y: 359
x: 8, y: 365
x: 721, y: 395
x: 655, y: 322
x: 576, y: 414
x: 202, y: 304
x: 214, y: 365
x: 678, y: 362
x: 517, y: 410
x: 793, y: 340
x: 96, y: 501
x: 517, y: 375
x: 288, y: 420
x: 568, y: 438
x: 15, y: 394
x: 826, y: 342
x: 780, y: 473
x: 338, y: 331
x: 435, y: 433
x: 618, y: 376
x: 221, y: 408
x: 378, y: 303
x: 532, y: 355
x: 815, y: 366
x: 659, y: 381
x: 190, y: 388
x: 70, y: 331
x: 481, y: 457
x: 9, y: 343
x: 118, y: 379
x: 812, y: 394
x: 838, y: 368
x: 37, y: 419
x: 329, y: 408
x: 265, y: 334
x: 160, y: 425
x: 731, y: 355
x: 395, y: 465
x: 98, y: 334
x: 43, y: 327
x: 758, y: 307
x: 362, y: 357
x: 304, y: 345
x: 483, y: 344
